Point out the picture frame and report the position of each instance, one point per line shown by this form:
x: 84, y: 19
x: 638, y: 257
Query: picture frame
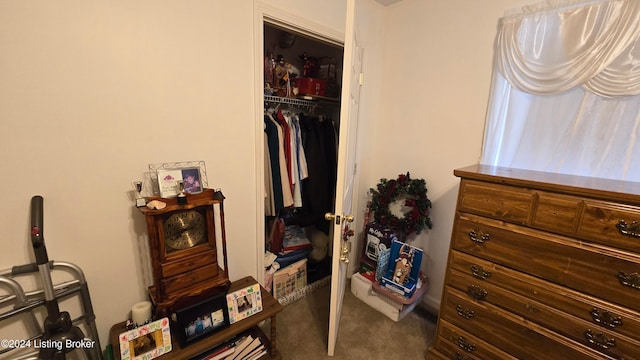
x: 244, y: 303
x: 168, y: 180
x: 146, y: 342
x: 179, y: 171
x: 202, y: 319
x: 191, y: 177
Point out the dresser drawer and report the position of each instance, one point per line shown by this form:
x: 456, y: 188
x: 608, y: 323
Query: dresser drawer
x: 590, y: 269
x: 556, y: 213
x: 600, y: 314
x: 594, y: 336
x: 611, y: 224
x: 189, y: 278
x: 456, y: 343
x: 496, y: 201
x: 188, y: 264
x: 512, y: 334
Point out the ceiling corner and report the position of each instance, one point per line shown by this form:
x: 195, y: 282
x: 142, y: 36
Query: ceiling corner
x: 387, y: 2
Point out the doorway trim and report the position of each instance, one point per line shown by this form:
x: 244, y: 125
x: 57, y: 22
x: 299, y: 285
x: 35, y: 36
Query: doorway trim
x: 266, y: 12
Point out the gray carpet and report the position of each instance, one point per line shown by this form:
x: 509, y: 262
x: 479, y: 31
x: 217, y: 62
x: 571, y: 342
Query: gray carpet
x: 364, y: 332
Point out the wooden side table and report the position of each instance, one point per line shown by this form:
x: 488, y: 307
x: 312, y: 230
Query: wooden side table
x: 270, y: 308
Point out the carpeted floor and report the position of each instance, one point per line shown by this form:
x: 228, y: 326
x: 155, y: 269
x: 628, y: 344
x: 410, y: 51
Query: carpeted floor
x: 364, y: 332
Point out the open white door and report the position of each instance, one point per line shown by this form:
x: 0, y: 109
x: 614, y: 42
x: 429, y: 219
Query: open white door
x: 343, y: 212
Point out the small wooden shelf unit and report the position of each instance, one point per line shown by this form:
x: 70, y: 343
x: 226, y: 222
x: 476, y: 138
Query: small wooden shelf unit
x: 270, y: 308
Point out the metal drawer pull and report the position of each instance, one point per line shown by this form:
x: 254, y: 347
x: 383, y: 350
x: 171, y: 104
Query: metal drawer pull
x: 465, y: 344
x: 476, y: 292
x: 605, y: 318
x: 479, y: 272
x: 478, y: 237
x: 630, y: 280
x: 464, y: 312
x: 629, y: 230
x: 599, y: 340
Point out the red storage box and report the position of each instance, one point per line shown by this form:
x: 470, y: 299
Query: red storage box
x: 311, y: 86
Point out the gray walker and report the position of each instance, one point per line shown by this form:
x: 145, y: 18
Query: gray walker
x: 60, y: 337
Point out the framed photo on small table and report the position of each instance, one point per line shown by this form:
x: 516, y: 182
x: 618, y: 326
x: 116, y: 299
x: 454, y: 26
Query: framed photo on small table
x: 201, y: 320
x: 244, y: 303
x: 146, y: 342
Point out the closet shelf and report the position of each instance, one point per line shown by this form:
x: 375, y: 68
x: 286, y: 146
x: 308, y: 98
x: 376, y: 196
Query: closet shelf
x: 310, y: 102
x: 290, y: 101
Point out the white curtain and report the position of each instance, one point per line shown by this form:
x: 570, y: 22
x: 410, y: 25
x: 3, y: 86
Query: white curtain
x: 566, y: 89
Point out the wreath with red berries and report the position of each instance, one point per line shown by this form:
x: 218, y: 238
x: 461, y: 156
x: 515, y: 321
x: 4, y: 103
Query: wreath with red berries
x: 414, y: 193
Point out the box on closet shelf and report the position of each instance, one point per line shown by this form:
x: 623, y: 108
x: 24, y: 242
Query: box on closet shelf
x: 311, y: 86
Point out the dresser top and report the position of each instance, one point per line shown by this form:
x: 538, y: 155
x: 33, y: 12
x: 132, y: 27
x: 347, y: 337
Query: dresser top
x: 624, y: 191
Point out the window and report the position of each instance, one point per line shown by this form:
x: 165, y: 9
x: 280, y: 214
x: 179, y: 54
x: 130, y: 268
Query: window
x: 565, y: 92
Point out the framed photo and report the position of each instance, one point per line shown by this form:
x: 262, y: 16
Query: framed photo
x: 162, y: 179
x: 146, y: 342
x: 191, y: 178
x: 201, y: 320
x: 168, y: 181
x: 244, y: 303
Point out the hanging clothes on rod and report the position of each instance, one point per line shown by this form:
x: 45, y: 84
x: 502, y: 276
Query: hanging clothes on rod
x: 284, y: 172
x: 319, y: 142
x: 281, y: 197
x: 299, y: 167
x: 305, y: 145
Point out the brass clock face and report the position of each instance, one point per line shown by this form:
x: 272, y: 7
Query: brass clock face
x: 184, y: 230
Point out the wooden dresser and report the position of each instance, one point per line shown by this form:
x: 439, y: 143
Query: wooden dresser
x: 541, y: 266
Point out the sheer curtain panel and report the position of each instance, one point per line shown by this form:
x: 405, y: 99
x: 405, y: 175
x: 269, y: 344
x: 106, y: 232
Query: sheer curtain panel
x: 565, y: 92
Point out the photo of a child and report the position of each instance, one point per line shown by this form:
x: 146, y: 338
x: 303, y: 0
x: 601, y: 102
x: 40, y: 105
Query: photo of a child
x: 191, y: 178
x: 244, y: 303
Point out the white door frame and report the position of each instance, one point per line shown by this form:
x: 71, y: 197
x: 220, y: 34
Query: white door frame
x: 267, y: 12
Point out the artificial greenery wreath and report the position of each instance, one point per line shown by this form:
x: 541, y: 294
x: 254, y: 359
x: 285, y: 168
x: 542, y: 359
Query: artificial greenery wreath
x: 414, y: 191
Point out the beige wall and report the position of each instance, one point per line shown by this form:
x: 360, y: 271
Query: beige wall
x: 93, y: 91
x: 436, y: 79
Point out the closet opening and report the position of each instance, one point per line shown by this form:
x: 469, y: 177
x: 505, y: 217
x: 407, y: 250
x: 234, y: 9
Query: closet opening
x: 302, y: 86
